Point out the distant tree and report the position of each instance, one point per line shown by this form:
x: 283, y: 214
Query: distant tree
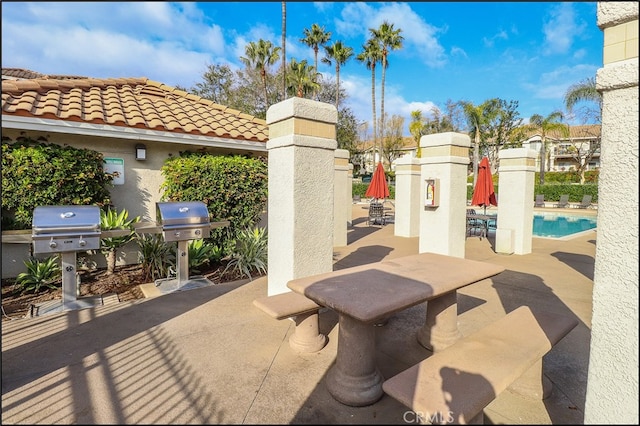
x: 585, y: 92
x: 347, y: 131
x: 478, y: 116
x: 284, y: 50
x: 388, y: 38
x: 301, y: 79
x: 392, y: 139
x: 545, y: 125
x: 217, y: 85
x: 502, y: 129
x: 315, y: 37
x: 339, y: 54
x: 261, y: 56
x: 372, y: 54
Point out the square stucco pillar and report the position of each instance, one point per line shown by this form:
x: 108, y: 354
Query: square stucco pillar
x: 408, y: 201
x: 514, y: 227
x: 301, y: 146
x: 342, y: 197
x: 445, y: 157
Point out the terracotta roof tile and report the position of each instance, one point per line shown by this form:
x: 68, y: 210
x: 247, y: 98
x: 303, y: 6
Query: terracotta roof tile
x: 134, y: 102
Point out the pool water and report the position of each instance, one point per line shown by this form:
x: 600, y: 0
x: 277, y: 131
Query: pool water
x: 558, y: 226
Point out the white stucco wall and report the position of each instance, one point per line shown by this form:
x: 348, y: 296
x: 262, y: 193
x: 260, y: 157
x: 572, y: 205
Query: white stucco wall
x: 612, y: 388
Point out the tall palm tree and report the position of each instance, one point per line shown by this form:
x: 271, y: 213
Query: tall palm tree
x: 284, y: 50
x: 315, y: 37
x: 301, y: 78
x: 340, y: 54
x: 372, y: 54
x: 474, y: 115
x: 389, y: 38
x: 583, y: 91
x: 261, y: 56
x: 545, y: 125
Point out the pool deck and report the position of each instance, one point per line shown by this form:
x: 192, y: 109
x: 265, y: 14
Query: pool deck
x: 208, y: 356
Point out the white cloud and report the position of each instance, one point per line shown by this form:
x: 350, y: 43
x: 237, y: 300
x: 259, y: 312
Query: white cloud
x: 560, y: 29
x: 500, y: 35
x: 554, y: 84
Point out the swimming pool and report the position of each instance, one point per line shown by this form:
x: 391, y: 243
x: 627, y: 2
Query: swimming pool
x: 560, y: 225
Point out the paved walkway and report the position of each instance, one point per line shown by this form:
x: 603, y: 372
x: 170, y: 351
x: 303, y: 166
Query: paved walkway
x: 208, y: 356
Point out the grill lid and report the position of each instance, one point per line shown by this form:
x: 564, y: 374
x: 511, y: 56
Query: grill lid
x: 61, y: 219
x: 181, y: 213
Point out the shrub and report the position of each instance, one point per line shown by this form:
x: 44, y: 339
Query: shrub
x: 41, y: 273
x: 234, y: 188
x: 155, y: 255
x: 201, y: 253
x: 35, y: 173
x: 110, y: 220
x: 250, y: 253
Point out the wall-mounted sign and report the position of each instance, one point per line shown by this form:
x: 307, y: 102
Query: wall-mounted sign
x: 116, y: 166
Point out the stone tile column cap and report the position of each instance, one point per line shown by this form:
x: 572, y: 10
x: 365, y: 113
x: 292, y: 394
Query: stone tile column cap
x: 302, y: 108
x: 342, y: 153
x: 517, y: 153
x: 447, y: 138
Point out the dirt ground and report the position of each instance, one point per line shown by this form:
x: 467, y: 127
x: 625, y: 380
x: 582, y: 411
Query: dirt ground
x: 124, y: 282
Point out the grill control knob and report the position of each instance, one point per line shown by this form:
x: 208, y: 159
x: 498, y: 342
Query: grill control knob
x: 82, y: 243
x: 197, y: 232
x: 176, y: 234
x: 53, y: 244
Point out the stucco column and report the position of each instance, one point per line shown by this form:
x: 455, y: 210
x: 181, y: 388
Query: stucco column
x: 302, y: 143
x: 350, y: 195
x: 408, y: 200
x: 612, y: 386
x: 514, y: 227
x: 342, y: 198
x: 445, y: 157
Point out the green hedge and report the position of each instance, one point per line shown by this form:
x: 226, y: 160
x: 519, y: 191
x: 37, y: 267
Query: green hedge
x: 552, y: 192
x: 359, y: 189
x: 37, y: 173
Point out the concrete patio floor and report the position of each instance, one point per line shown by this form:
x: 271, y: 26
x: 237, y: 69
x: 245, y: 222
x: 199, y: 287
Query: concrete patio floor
x: 208, y: 356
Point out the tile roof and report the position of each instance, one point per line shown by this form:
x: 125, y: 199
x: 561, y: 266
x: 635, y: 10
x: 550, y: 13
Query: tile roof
x: 127, y: 102
x: 21, y: 73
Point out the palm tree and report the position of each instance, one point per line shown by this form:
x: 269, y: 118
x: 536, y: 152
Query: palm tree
x: 474, y: 115
x: 584, y: 91
x: 545, y: 125
x: 372, y: 54
x: 315, y: 37
x: 301, y: 79
x: 260, y: 56
x: 389, y: 39
x: 340, y: 54
x: 284, y: 50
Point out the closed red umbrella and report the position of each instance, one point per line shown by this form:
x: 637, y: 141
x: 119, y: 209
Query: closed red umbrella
x: 378, y: 187
x: 483, y: 193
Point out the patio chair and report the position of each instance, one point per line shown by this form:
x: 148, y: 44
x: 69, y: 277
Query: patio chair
x: 474, y: 225
x: 564, y: 201
x: 376, y: 214
x: 539, y: 201
x: 585, y: 203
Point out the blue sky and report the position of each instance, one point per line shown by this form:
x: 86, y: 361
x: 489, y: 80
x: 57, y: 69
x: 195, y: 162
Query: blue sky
x: 530, y: 52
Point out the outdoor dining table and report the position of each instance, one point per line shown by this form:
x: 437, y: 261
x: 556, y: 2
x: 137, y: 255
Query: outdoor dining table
x: 364, y: 294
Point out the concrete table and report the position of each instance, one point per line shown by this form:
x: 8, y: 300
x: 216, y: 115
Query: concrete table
x: 365, y: 294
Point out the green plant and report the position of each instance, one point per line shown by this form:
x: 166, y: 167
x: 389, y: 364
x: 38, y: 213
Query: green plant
x: 155, y: 255
x: 36, y: 173
x: 41, y: 273
x: 112, y: 220
x: 250, y: 253
x: 202, y: 252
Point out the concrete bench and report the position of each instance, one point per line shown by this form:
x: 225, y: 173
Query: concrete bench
x: 457, y: 383
x: 306, y: 336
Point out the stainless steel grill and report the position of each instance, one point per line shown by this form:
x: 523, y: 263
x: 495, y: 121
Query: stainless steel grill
x: 60, y: 229
x: 182, y: 221
x: 65, y: 230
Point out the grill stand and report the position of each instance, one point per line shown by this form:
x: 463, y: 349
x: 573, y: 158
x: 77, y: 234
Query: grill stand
x: 70, y: 291
x: 182, y: 280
